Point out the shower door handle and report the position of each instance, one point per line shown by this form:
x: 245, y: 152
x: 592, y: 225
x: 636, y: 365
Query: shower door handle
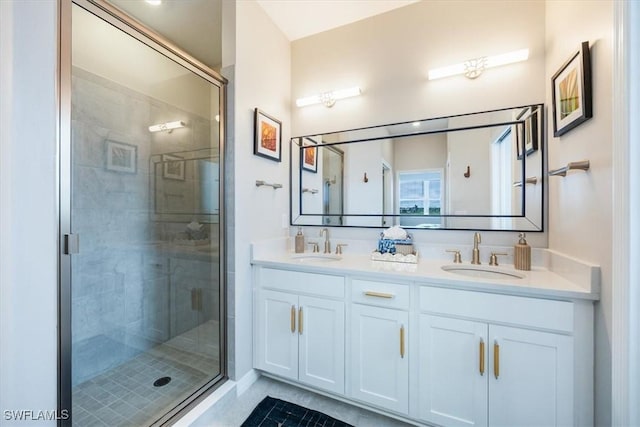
x: 71, y: 244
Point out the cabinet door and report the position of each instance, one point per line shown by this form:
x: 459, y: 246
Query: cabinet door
x: 277, y: 333
x: 321, y: 343
x: 378, y: 361
x: 531, y: 382
x: 453, y: 371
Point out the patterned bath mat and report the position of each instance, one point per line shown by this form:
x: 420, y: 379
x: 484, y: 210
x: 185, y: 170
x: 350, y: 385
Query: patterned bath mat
x: 272, y: 412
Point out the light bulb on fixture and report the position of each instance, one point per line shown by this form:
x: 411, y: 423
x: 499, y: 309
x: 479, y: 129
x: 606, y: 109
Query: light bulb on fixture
x: 472, y: 68
x: 328, y: 99
x: 169, y: 126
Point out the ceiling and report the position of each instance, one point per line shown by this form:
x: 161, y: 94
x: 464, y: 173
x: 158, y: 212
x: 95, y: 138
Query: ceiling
x: 193, y: 25
x: 302, y: 18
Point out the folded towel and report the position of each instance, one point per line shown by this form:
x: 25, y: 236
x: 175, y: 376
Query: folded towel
x: 396, y: 233
x: 386, y: 246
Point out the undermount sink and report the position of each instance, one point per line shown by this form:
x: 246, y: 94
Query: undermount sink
x: 482, y: 272
x: 315, y: 257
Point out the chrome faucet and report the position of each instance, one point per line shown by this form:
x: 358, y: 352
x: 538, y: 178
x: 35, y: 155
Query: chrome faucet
x: 327, y: 243
x: 475, y: 254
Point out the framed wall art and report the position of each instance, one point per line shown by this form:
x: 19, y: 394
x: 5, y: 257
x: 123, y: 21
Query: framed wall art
x: 173, y: 167
x: 121, y: 157
x: 529, y: 133
x: 309, y: 156
x: 267, y: 136
x: 571, y: 90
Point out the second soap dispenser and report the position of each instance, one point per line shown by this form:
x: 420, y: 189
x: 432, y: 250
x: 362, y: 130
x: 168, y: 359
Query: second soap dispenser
x: 299, y: 246
x: 522, y: 254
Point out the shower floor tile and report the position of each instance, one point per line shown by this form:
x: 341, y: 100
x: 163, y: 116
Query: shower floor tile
x: 125, y: 395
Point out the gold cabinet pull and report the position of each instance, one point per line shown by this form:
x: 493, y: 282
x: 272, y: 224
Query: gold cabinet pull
x: 481, y: 357
x: 402, y: 341
x: 300, y: 320
x: 293, y: 318
x: 378, y: 294
x: 496, y: 359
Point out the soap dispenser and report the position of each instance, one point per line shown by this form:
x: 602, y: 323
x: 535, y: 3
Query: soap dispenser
x: 522, y: 254
x: 299, y: 241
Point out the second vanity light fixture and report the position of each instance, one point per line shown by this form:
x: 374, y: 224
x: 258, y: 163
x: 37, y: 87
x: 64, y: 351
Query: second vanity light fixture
x: 472, y: 68
x: 328, y: 99
x: 169, y: 126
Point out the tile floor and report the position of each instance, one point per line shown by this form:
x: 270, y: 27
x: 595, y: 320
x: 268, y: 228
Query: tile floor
x: 125, y: 396
x: 233, y: 412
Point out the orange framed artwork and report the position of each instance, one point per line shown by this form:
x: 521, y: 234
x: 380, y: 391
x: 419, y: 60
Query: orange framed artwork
x: 309, y: 154
x: 267, y: 136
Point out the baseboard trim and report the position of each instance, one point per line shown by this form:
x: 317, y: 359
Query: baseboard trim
x: 193, y: 415
x: 246, y: 381
x: 347, y: 400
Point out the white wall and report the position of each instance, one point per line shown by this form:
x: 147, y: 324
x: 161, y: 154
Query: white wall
x: 470, y: 148
x: 28, y: 211
x: 420, y: 152
x: 262, y: 79
x: 362, y: 197
x: 580, y: 205
x: 389, y: 56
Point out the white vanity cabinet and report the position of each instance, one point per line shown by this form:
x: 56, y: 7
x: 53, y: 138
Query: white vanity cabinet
x: 452, y: 368
x: 301, y: 337
x: 481, y: 372
x: 428, y: 351
x: 379, y: 347
x: 531, y: 378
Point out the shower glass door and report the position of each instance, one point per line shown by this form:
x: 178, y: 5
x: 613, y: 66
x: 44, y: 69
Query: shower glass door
x: 146, y: 291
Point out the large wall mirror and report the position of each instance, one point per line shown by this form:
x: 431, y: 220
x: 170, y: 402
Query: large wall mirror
x: 184, y: 186
x: 480, y: 171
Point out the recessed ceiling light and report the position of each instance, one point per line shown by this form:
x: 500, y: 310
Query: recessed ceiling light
x: 154, y: 2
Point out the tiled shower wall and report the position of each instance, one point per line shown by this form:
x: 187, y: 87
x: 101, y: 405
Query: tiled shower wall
x: 130, y: 290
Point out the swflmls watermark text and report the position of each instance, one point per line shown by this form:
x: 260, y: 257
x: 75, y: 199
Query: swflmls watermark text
x: 31, y: 415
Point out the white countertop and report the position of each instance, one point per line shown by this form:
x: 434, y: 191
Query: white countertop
x: 568, y: 283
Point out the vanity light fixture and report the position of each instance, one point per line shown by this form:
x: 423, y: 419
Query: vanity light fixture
x: 328, y: 99
x: 472, y: 68
x: 169, y: 126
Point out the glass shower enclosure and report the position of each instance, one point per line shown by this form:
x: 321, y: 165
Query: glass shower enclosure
x: 142, y: 289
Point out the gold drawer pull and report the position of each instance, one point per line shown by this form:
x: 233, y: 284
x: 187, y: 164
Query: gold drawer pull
x: 300, y: 320
x: 378, y: 294
x: 496, y: 359
x: 293, y: 318
x: 481, y: 357
x: 402, y: 341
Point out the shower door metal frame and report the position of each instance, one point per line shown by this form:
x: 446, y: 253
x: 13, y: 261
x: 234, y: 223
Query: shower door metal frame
x: 66, y: 241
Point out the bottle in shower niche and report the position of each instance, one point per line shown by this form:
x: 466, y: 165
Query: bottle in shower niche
x: 522, y: 254
x: 299, y: 246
